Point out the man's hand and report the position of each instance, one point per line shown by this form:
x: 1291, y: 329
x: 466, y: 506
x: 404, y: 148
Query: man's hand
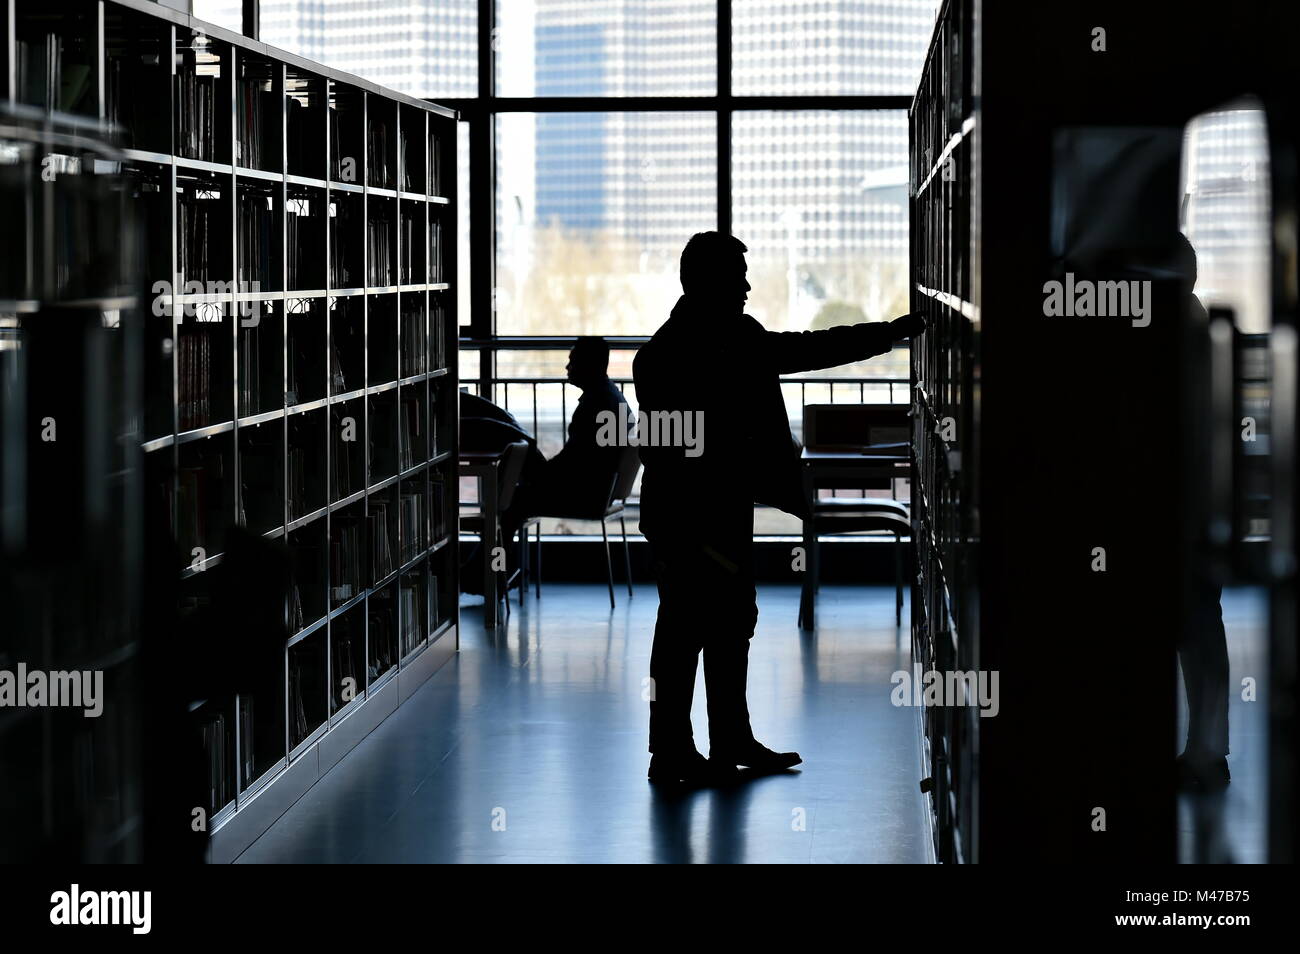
x: 909, y: 326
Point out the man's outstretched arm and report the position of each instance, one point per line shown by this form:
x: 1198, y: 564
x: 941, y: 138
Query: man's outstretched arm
x: 793, y: 351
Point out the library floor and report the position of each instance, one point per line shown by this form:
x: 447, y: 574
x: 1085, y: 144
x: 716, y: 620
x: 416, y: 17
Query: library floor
x: 530, y: 747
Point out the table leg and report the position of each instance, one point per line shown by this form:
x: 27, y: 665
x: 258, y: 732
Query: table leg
x: 490, y: 542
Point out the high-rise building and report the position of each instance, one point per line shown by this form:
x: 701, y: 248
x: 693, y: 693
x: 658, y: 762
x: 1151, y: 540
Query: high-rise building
x: 421, y: 47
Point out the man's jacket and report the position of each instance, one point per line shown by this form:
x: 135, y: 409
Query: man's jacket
x: 725, y: 371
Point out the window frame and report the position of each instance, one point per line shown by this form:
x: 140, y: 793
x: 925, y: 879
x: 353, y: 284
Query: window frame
x: 479, y: 113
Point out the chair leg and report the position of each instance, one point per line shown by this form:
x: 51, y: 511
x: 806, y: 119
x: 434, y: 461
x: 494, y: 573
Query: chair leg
x: 609, y: 564
x: 808, y: 592
x: 537, y: 573
x: 898, y: 580
x: 523, y: 566
x: 627, y: 555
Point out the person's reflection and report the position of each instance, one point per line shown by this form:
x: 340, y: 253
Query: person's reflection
x: 1203, y: 646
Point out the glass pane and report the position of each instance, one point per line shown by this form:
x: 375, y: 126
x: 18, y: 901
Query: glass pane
x: 224, y: 13
x: 610, y: 48
x: 423, y: 48
x: 869, y: 48
x: 592, y: 212
x: 820, y: 198
x: 462, y: 225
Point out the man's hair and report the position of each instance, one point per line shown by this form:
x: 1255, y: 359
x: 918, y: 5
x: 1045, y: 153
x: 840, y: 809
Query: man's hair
x: 703, y: 254
x: 594, y: 352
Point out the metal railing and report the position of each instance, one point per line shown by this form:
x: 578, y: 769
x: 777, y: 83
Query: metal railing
x: 542, y: 405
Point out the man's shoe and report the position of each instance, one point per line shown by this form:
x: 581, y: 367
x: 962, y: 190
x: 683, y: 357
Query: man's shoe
x: 755, y: 756
x: 692, y: 768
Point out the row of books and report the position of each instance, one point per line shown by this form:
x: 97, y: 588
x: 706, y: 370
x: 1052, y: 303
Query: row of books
x: 197, y: 122
x: 306, y: 689
x: 256, y: 239
x: 212, y: 732
x: 349, y: 469
x: 377, y: 154
x: 136, y: 93
x: 259, y: 480
x: 347, y: 666
x: 340, y: 380
x: 383, y: 643
x: 411, y: 513
x: 195, y: 356
x: 298, y: 463
x: 383, y: 546
x: 436, y: 167
x: 412, y: 608
x: 438, y: 508
x: 254, y: 103
x: 347, y: 558
x: 410, y: 177
x: 198, y: 493
x: 379, y: 242
x: 304, y: 235
x: 436, y: 269
x: 343, y: 259
x: 413, y: 448
x: 305, y: 374
x: 248, y: 764
x: 199, y: 224
x: 414, y: 345
x: 303, y: 142
x: 438, y: 333
x: 410, y: 261
x: 250, y: 370
x: 46, y: 80
x: 345, y: 162
x: 307, y: 589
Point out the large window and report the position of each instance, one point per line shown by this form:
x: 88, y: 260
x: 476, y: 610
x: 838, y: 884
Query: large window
x: 606, y: 47
x: 614, y: 129
x: 592, y: 210
x: 816, y: 47
x: 820, y: 198
x: 425, y: 48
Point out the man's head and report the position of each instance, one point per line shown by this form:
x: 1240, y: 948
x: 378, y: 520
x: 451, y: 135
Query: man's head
x: 588, y: 362
x: 713, y: 270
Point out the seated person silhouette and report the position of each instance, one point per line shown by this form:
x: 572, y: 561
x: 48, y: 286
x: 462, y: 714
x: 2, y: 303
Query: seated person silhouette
x: 579, y: 478
x: 712, y: 361
x: 576, y: 480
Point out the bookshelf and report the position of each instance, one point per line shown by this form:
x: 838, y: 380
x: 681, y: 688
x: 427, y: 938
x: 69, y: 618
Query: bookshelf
x: 70, y: 492
x: 297, y: 377
x: 945, y: 625
x: 1057, y: 549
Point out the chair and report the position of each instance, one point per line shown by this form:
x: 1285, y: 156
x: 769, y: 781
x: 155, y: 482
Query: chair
x: 844, y: 426
x: 513, y: 457
x: 615, y: 505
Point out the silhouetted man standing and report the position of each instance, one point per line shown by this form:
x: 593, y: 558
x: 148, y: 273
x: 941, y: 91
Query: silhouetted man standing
x: 712, y: 362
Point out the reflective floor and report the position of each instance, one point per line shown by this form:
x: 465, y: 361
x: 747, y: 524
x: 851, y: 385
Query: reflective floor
x: 530, y: 746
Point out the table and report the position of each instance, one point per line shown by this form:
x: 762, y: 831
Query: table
x: 484, y: 466
x: 847, y: 467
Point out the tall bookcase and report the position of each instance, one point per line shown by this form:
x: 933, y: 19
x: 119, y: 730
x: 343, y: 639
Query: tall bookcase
x: 945, y: 511
x: 300, y: 377
x: 70, y: 491
x: 1063, y: 535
